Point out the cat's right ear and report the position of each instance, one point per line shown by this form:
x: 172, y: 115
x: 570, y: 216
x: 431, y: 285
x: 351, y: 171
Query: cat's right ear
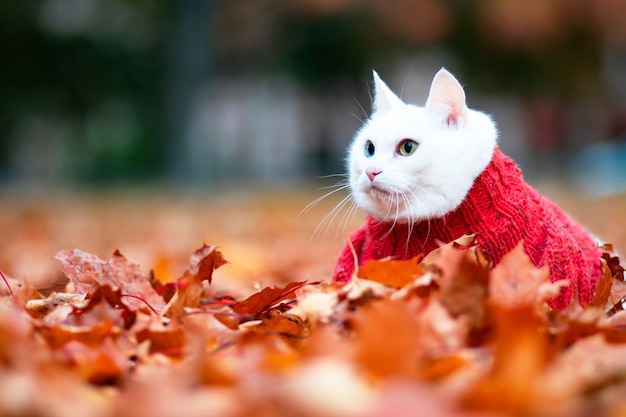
x: 384, y: 98
x: 447, y: 99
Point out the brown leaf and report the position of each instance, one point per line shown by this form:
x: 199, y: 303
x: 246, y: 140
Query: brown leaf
x: 41, y: 307
x: 603, y: 288
x: 395, y: 273
x: 463, y: 282
x: 517, y: 282
x: 520, y: 357
x: 613, y: 263
x: 87, y: 272
x: 463, y: 242
x: 97, y: 364
x: 586, y: 366
x: 189, y: 287
x: 204, y: 261
x: 287, y: 325
x: 92, y: 336
x: 267, y: 298
x: 169, y: 340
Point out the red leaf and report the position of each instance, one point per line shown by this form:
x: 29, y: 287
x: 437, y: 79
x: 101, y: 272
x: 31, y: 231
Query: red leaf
x: 204, y: 261
x: 264, y: 300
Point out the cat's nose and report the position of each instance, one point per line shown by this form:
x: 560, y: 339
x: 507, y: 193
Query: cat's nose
x: 372, y: 172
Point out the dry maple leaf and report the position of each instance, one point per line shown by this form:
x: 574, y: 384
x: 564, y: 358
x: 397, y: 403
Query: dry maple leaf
x: 268, y: 297
x: 463, y: 281
x: 204, y: 261
x: 168, y: 339
x: 395, y: 273
x: 520, y: 357
x: 87, y: 272
x: 517, y: 282
x: 603, y: 288
x: 102, y: 364
x: 189, y: 287
x: 387, y: 338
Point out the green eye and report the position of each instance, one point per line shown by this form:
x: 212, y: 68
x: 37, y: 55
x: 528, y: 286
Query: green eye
x: 407, y: 147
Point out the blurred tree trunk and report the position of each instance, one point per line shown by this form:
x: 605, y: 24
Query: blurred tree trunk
x: 191, y: 64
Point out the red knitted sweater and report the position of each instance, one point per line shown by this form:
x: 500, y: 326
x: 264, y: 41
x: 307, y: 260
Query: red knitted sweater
x: 502, y: 210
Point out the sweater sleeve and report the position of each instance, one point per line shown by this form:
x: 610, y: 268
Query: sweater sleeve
x: 345, y: 262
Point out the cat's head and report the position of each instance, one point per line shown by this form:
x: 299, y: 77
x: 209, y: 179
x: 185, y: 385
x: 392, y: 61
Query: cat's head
x: 409, y: 163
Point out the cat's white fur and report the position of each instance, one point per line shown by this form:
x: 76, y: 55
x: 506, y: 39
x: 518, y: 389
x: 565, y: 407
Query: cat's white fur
x: 455, y: 145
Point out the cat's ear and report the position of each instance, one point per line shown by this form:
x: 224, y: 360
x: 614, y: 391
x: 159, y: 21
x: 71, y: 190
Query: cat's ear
x: 384, y: 98
x: 447, y: 99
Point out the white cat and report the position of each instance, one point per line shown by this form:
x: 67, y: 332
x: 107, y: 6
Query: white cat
x: 426, y: 175
x: 410, y: 163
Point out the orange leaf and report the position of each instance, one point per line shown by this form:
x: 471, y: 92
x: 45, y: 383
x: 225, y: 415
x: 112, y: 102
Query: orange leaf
x: 92, y: 336
x: 189, y: 288
x: 395, y: 273
x: 464, y: 281
x: 516, y: 281
x: 274, y: 322
x: 381, y: 354
x: 99, y: 364
x: 268, y: 297
x: 520, y: 357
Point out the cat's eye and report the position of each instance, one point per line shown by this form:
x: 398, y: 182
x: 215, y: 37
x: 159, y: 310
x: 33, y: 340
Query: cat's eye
x: 369, y: 148
x: 407, y: 147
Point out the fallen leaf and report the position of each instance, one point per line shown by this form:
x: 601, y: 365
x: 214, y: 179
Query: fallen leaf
x: 103, y: 364
x: 189, y: 287
x: 286, y: 325
x: 92, y: 336
x: 168, y: 339
x: 519, y: 360
x: 463, y: 282
x: 387, y: 338
x: 516, y: 282
x: 267, y: 298
x: 87, y: 272
x: 395, y: 273
x: 603, y: 288
x: 204, y: 261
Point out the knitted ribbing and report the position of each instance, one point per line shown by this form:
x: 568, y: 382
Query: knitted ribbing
x: 502, y: 210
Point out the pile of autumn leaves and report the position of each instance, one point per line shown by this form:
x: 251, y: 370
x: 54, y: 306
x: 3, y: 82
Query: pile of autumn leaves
x: 446, y: 335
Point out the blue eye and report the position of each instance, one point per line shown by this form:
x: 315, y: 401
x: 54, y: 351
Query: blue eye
x: 369, y: 149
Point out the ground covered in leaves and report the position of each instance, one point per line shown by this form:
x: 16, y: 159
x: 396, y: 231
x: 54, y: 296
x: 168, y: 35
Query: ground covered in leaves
x: 441, y: 336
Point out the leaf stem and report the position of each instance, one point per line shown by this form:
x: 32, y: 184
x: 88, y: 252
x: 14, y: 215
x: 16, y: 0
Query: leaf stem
x: 11, y: 291
x: 141, y: 299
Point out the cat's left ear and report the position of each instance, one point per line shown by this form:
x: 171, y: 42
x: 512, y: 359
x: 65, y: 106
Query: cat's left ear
x: 384, y: 98
x: 447, y: 99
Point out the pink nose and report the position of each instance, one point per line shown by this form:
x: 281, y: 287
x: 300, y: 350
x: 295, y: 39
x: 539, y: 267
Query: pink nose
x: 372, y: 172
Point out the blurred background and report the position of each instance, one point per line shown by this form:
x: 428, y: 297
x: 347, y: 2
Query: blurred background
x: 228, y: 98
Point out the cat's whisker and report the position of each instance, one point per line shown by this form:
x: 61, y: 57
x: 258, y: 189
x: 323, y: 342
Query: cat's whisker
x: 329, y: 218
x: 361, y: 107
x: 332, y: 176
x: 339, y: 208
x: 343, y: 224
x: 397, y: 205
x: 338, y: 187
x: 341, y: 184
x: 357, y: 117
x: 409, y: 209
